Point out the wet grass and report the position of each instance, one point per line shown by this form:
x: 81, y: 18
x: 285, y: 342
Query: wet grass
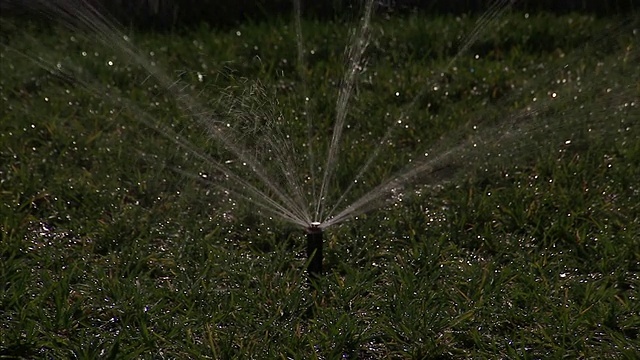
x: 108, y: 255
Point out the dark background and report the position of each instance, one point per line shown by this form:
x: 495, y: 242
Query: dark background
x: 169, y: 14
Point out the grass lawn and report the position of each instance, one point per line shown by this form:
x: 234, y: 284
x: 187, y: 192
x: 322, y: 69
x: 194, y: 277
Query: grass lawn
x: 118, y: 243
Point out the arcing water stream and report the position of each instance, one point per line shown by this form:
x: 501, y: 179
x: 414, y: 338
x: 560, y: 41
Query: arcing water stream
x: 252, y: 148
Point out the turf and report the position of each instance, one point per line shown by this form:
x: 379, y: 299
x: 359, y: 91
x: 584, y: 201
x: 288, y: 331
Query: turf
x: 531, y: 254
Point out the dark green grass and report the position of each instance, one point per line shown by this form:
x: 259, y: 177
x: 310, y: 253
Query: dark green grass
x: 107, y: 255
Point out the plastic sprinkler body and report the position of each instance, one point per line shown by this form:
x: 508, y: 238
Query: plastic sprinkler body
x: 314, y: 250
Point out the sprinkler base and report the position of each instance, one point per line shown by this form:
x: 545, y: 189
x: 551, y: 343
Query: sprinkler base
x: 314, y: 251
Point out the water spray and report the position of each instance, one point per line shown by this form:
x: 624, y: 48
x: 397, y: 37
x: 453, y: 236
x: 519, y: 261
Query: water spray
x: 314, y: 250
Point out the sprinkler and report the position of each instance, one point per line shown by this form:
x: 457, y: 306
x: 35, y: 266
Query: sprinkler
x: 314, y: 250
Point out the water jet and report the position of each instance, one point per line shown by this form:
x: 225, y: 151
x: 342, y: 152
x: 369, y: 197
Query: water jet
x: 255, y: 159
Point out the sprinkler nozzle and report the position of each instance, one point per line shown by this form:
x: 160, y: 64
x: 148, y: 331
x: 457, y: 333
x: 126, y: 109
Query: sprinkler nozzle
x: 314, y: 250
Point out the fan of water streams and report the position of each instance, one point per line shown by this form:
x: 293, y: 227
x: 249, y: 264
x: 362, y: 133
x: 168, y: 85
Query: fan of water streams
x: 312, y: 172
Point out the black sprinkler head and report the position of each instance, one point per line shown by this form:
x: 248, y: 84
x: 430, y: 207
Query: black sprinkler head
x: 314, y: 250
